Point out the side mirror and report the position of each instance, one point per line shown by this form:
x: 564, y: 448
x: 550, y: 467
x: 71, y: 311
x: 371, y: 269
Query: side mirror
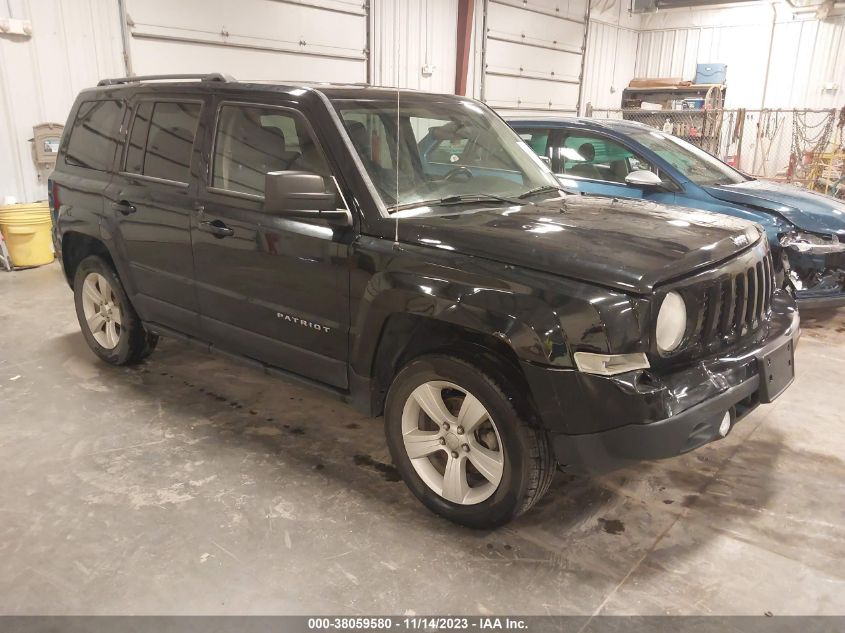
x: 643, y: 178
x: 301, y: 194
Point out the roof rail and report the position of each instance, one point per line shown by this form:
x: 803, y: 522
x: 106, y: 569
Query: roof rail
x: 139, y: 78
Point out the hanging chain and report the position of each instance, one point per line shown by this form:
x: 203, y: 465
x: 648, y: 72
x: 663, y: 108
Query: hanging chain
x: 806, y: 141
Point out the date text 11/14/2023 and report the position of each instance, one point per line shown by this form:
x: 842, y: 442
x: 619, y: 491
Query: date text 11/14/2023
x: 417, y: 623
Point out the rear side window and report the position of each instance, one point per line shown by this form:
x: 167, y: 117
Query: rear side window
x: 162, y: 140
x: 95, y: 135
x: 251, y: 141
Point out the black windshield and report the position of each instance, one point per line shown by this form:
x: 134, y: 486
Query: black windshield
x: 436, y: 149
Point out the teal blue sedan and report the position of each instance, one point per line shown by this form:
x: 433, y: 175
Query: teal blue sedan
x: 624, y: 159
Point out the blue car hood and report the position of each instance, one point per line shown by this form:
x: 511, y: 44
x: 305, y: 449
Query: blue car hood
x: 807, y: 210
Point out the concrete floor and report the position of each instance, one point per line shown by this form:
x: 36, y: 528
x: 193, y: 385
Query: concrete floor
x: 192, y: 484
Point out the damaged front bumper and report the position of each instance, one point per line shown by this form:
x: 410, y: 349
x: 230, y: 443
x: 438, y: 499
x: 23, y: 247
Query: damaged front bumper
x: 599, y: 423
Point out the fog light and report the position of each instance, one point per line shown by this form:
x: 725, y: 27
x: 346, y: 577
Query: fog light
x: 725, y: 424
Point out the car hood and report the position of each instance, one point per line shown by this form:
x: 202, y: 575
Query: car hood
x: 807, y: 210
x: 631, y: 245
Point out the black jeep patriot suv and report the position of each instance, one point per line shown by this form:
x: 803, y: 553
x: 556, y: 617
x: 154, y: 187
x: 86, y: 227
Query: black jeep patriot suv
x: 410, y: 253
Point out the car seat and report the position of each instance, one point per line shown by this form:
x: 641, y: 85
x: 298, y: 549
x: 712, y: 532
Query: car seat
x: 587, y: 151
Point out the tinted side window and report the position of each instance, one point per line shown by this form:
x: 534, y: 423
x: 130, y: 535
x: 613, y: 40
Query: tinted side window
x: 170, y: 140
x: 138, y: 138
x: 251, y: 141
x: 95, y: 135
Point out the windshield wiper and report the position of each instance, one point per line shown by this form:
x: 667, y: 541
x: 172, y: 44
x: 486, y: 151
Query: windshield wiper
x: 543, y: 189
x: 459, y: 199
x: 476, y: 197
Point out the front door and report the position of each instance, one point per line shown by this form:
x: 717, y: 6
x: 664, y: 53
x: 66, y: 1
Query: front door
x: 151, y: 200
x: 271, y: 288
x: 597, y: 165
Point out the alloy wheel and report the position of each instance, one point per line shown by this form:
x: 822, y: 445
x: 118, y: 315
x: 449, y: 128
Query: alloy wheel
x: 452, y: 442
x: 102, y: 310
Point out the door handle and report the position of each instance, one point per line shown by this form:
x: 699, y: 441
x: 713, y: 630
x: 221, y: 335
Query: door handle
x: 123, y: 207
x: 216, y: 228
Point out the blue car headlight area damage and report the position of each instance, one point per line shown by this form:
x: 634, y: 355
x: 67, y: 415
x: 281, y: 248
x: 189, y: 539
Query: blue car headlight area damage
x: 811, y: 243
x: 815, y: 267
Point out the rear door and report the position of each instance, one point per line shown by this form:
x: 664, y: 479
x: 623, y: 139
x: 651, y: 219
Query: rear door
x: 151, y: 200
x: 274, y: 289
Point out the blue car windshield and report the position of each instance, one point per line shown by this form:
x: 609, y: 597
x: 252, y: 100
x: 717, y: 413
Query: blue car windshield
x: 693, y: 162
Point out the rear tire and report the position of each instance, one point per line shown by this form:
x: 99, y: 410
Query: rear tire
x: 109, y: 323
x: 461, y: 446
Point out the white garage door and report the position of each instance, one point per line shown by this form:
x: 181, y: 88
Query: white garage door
x: 533, y: 54
x: 296, y: 40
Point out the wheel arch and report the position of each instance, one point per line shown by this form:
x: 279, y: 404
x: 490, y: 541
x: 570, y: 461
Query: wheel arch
x: 406, y: 336
x: 76, y: 246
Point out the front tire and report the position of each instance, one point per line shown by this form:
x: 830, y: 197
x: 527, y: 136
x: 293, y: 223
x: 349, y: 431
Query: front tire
x: 461, y: 446
x: 109, y: 323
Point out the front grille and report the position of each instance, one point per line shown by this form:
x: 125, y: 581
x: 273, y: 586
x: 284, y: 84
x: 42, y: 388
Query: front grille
x: 736, y: 304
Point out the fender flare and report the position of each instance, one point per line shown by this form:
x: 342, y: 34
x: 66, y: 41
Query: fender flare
x: 456, y: 303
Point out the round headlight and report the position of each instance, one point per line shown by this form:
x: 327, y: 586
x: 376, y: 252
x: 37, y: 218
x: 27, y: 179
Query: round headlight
x: 671, y: 322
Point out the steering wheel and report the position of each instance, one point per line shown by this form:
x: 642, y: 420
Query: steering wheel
x: 453, y: 174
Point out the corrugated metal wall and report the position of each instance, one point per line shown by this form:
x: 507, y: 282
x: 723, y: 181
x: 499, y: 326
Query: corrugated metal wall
x: 73, y: 44
x: 426, y: 31
x: 611, y: 54
x: 813, y: 53
x: 672, y: 43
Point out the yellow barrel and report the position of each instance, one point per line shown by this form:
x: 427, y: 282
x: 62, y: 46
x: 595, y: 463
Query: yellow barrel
x: 26, y: 230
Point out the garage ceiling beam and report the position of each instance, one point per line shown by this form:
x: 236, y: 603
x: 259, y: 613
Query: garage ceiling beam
x: 464, y: 37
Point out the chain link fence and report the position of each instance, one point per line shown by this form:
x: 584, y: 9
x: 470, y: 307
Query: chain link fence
x: 798, y: 146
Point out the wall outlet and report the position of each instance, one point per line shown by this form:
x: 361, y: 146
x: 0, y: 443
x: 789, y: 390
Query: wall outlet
x: 428, y: 70
x: 11, y: 26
